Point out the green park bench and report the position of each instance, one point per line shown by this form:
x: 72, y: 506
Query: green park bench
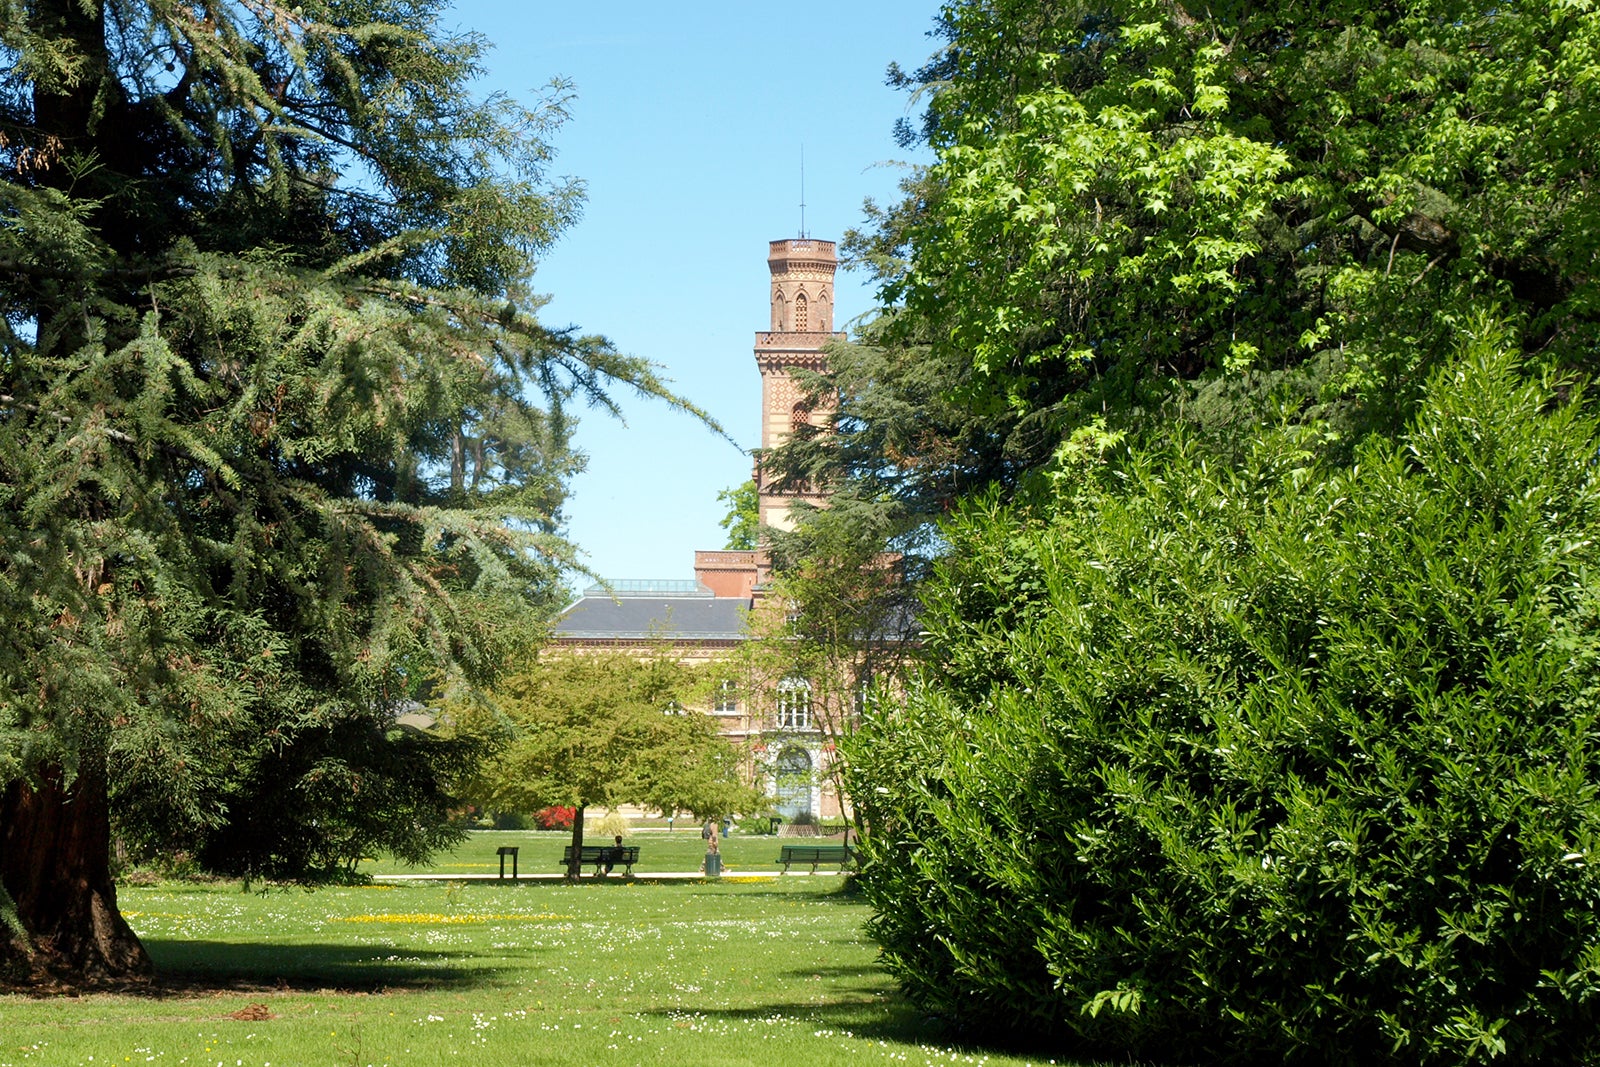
x: 624, y: 856
x: 815, y: 854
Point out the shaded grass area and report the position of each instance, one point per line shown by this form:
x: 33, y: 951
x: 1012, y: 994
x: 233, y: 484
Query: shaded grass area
x: 776, y: 971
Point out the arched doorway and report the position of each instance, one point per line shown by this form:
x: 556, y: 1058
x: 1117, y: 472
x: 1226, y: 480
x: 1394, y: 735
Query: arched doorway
x: 792, y: 779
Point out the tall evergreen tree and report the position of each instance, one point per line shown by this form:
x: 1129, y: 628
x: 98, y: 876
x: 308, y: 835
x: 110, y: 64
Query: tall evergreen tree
x: 282, y: 443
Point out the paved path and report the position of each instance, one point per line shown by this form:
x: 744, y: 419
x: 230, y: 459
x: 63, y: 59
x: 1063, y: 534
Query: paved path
x: 638, y: 876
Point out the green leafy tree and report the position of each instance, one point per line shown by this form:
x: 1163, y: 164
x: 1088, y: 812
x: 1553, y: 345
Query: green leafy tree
x: 743, y: 520
x: 1271, y: 762
x: 282, y: 443
x: 1137, y: 192
x: 1159, y: 212
x: 603, y: 729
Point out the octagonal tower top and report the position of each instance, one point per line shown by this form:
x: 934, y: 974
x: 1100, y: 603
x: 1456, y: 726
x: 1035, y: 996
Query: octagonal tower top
x: 802, y: 285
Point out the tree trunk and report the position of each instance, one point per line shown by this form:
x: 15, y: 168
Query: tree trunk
x: 575, y: 864
x: 61, y: 921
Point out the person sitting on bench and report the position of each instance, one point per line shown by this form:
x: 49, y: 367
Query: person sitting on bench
x: 608, y: 856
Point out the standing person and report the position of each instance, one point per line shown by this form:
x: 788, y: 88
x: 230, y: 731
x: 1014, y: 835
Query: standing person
x: 708, y: 834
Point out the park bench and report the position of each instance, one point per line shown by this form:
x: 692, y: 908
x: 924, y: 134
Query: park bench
x: 815, y: 854
x: 624, y: 856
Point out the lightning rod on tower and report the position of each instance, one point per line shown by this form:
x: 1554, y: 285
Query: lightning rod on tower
x: 803, y: 191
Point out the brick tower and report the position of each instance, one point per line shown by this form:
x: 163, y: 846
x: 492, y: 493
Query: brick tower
x: 802, y: 323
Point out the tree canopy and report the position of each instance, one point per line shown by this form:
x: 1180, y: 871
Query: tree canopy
x: 588, y: 729
x: 282, y: 441
x: 1135, y: 190
x: 1153, y: 212
x: 743, y: 518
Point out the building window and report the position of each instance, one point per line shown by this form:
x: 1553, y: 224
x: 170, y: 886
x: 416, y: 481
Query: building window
x: 794, y: 704
x: 726, y: 699
x: 673, y: 708
x: 800, y: 312
x: 799, y: 418
x: 866, y: 695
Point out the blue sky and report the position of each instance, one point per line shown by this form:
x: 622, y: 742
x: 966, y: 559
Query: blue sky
x: 688, y: 130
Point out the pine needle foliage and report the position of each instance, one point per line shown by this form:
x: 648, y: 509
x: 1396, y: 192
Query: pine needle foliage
x: 1267, y: 762
x: 283, y: 443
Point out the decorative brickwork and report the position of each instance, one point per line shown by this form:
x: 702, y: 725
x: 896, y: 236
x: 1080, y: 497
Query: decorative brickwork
x: 802, y: 325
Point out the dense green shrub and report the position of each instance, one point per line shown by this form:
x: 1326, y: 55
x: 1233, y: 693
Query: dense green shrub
x: 1269, y: 761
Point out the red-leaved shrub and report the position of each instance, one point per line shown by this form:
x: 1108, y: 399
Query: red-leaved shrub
x: 558, y: 817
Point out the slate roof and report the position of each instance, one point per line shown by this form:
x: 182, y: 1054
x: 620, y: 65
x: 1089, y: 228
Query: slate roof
x: 661, y: 612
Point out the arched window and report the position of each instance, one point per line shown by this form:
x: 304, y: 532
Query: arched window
x: 799, y: 418
x: 780, y: 318
x: 800, y: 313
x: 794, y: 704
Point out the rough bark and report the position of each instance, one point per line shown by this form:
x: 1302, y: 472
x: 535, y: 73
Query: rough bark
x: 61, y: 922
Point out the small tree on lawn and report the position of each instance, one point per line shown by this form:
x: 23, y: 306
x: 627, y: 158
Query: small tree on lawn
x: 603, y: 729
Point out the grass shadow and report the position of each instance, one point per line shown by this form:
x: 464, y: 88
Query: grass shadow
x: 866, y: 1012
x: 835, y: 893
x: 865, y: 1015
x: 188, y: 965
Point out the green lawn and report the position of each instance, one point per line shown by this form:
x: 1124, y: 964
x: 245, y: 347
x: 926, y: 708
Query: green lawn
x: 757, y: 969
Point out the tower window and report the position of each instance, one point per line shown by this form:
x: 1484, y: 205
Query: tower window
x: 800, y: 312
x: 799, y: 417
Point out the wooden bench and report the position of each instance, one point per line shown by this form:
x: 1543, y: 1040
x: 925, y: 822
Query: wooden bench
x: 624, y: 856
x: 815, y: 854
